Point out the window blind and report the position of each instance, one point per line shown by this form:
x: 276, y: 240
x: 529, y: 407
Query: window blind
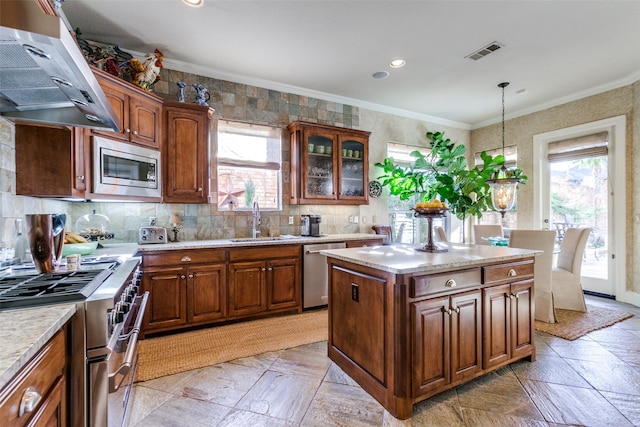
x: 583, y: 147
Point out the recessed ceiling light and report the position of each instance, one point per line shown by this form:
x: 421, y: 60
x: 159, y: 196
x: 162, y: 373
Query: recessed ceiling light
x: 194, y: 3
x: 397, y: 63
x: 380, y: 75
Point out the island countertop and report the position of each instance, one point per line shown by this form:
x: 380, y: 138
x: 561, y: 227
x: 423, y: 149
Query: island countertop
x: 405, y: 259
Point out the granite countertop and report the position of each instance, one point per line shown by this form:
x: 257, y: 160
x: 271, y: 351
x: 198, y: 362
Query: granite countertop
x: 404, y: 259
x: 23, y: 332
x: 260, y: 241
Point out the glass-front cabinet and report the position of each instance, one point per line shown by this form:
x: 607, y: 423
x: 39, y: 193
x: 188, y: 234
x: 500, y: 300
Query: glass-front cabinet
x: 329, y: 164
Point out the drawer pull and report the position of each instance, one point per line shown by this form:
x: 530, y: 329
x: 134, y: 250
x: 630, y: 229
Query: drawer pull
x: 457, y: 309
x: 185, y: 259
x: 29, y: 401
x: 512, y: 273
x: 450, y: 283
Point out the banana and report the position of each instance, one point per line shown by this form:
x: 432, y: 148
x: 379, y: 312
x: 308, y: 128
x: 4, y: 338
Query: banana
x: 71, y: 237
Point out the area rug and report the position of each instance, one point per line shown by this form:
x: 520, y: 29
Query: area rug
x: 181, y: 352
x: 574, y: 324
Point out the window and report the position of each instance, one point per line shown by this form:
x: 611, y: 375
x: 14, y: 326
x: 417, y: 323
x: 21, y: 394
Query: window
x: 493, y: 217
x: 405, y: 227
x: 249, y: 166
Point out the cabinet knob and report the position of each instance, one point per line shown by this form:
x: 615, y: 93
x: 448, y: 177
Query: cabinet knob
x: 182, y: 276
x: 185, y: 259
x: 135, y: 132
x: 191, y: 276
x: 450, y: 283
x: 199, y: 189
x: 29, y: 401
x: 512, y: 273
x: 270, y: 269
x: 81, y: 178
x: 457, y: 309
x: 264, y: 269
x: 127, y: 130
x: 448, y: 311
x: 511, y: 296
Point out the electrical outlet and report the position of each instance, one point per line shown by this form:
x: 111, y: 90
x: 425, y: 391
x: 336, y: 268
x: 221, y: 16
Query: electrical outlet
x: 291, y: 220
x: 364, y: 219
x: 351, y: 219
x: 355, y: 219
x: 373, y: 218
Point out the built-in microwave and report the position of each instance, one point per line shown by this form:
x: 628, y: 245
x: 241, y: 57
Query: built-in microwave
x: 124, y: 169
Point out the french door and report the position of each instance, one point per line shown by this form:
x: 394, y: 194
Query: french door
x: 581, y: 190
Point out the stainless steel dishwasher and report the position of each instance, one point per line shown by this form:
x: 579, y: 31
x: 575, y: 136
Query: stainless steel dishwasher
x: 315, y: 287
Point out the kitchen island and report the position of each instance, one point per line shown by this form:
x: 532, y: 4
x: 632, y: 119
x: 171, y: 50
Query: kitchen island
x: 407, y: 325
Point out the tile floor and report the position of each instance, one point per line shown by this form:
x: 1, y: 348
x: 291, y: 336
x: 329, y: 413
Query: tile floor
x: 593, y: 381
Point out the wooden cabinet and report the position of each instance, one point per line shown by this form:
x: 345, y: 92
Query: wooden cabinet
x: 329, y: 164
x: 447, y: 332
x: 508, y: 313
x: 264, y: 279
x: 407, y: 336
x: 363, y: 243
x: 186, y: 288
x: 186, y: 152
x: 138, y: 112
x: 50, y: 161
x: 44, y: 381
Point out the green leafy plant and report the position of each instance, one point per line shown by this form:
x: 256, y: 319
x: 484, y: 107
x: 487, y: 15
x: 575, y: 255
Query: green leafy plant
x: 443, y: 174
x: 249, y: 192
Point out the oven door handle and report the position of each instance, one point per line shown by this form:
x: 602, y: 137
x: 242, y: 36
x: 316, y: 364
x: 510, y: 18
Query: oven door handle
x: 124, y: 368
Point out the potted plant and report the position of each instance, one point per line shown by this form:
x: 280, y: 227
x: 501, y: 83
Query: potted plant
x: 443, y: 174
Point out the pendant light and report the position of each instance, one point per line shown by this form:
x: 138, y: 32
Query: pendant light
x: 503, y: 183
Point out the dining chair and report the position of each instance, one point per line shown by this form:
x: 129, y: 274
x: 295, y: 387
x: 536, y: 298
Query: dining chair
x: 441, y: 235
x: 565, y: 275
x: 543, y: 240
x: 485, y: 230
x: 385, y: 231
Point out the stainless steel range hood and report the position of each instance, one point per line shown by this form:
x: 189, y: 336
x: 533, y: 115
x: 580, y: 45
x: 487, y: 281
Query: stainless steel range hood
x: 44, y: 76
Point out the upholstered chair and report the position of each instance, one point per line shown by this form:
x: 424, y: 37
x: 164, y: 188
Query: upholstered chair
x: 565, y: 276
x: 485, y: 230
x: 543, y: 240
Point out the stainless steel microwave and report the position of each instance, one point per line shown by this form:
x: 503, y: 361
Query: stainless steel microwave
x: 124, y: 169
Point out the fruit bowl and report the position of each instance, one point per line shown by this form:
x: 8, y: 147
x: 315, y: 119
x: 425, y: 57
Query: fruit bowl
x: 430, y: 211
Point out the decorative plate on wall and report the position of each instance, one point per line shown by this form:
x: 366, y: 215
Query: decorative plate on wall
x: 375, y: 189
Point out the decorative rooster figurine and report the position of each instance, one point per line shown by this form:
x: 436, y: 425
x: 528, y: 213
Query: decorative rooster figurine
x: 147, y: 73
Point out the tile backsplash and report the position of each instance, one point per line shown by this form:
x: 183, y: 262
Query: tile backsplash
x: 230, y: 100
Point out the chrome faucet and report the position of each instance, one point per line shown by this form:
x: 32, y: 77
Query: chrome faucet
x: 256, y: 219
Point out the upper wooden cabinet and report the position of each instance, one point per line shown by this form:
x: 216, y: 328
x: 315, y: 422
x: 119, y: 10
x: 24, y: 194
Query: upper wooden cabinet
x: 50, y: 161
x: 138, y: 111
x: 329, y: 165
x: 186, y: 152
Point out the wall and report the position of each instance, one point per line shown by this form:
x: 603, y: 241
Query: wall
x: 519, y: 131
x: 201, y: 222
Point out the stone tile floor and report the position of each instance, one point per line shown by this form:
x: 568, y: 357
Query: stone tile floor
x: 592, y: 381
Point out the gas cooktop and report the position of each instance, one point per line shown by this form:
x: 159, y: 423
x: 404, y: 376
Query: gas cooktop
x: 23, y: 290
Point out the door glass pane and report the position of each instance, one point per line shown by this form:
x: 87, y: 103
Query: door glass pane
x: 579, y: 198
x: 352, y: 167
x: 320, y: 166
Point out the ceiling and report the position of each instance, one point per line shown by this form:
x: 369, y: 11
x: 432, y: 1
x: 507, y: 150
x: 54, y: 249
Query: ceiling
x: 552, y: 51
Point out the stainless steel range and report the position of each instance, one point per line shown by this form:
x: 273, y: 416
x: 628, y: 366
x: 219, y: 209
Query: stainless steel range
x: 104, y: 331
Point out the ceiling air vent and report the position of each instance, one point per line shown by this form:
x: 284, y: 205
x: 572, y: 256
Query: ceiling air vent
x: 484, y: 51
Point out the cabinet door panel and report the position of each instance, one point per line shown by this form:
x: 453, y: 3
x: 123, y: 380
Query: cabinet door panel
x: 167, y: 299
x: 466, y: 342
x: 431, y: 337
x: 206, y: 293
x: 497, y: 324
x: 358, y: 296
x: 144, y: 119
x: 247, y: 288
x: 522, y: 309
x: 283, y: 281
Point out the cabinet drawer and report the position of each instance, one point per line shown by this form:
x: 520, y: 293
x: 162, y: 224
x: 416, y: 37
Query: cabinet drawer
x: 199, y: 256
x: 264, y: 252
x: 423, y: 285
x: 507, y: 272
x: 40, y: 374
